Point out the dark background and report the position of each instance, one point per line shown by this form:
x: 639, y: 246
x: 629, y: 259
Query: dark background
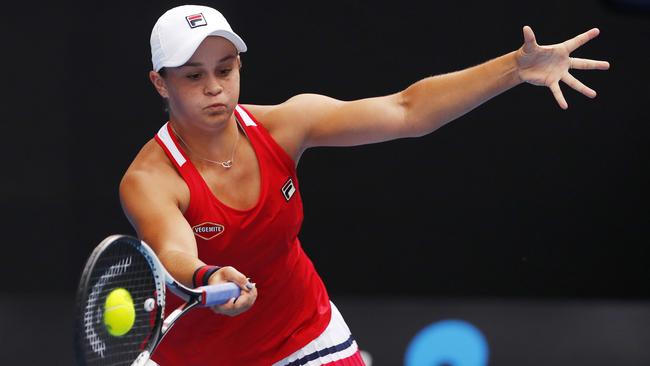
x: 517, y: 199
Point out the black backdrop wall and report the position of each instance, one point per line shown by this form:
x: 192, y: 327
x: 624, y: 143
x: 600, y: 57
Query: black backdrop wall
x: 517, y: 198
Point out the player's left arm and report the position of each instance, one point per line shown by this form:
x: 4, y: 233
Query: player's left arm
x: 430, y: 103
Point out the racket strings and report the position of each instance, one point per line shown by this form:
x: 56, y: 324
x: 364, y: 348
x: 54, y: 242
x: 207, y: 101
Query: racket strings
x: 120, y: 265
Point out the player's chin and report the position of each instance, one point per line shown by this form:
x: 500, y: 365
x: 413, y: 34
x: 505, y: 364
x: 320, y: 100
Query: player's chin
x: 214, y: 117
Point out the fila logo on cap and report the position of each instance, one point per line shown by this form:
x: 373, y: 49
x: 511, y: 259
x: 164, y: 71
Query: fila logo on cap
x: 196, y: 20
x: 288, y: 189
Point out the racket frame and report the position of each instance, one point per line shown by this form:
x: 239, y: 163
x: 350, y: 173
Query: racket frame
x: 201, y: 296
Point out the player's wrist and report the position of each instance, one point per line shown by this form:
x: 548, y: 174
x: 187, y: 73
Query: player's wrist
x: 202, y: 275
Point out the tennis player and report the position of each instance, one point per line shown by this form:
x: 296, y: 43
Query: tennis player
x: 215, y: 193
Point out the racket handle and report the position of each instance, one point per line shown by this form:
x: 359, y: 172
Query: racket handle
x: 218, y: 294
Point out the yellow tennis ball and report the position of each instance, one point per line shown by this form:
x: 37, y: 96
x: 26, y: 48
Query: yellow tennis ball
x: 119, y: 312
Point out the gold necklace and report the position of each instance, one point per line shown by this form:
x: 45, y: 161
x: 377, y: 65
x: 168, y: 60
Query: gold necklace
x: 226, y: 164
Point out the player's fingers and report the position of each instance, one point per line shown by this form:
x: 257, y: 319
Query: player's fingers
x: 227, y: 308
x: 232, y: 275
x: 557, y: 93
x: 586, y: 64
x: 236, y: 306
x: 250, y: 285
x: 246, y: 299
x: 578, y: 85
x: 581, y: 39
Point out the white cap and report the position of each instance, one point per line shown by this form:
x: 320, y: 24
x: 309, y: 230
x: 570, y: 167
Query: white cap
x: 180, y: 31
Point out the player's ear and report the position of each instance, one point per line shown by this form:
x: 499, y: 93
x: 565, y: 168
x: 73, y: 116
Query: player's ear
x: 159, y: 83
x: 239, y: 62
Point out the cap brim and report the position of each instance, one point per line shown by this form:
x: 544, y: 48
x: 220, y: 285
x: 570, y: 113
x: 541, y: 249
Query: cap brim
x: 233, y: 38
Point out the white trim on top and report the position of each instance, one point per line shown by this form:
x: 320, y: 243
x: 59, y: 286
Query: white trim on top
x: 248, y: 121
x: 164, y: 136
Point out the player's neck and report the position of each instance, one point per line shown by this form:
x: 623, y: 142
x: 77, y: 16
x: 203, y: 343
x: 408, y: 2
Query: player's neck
x: 214, y: 142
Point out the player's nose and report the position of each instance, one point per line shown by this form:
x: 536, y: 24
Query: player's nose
x: 212, y: 86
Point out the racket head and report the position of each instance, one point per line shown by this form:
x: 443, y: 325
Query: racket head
x: 119, y: 261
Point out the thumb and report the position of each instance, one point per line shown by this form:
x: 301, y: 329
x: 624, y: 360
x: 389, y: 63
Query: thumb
x: 230, y: 274
x: 529, y: 39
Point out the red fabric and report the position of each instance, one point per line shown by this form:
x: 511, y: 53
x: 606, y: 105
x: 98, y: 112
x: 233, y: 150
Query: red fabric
x: 354, y: 360
x: 292, y: 306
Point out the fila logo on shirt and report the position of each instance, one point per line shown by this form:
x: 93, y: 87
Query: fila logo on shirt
x: 196, y: 20
x: 208, y: 230
x: 288, y: 189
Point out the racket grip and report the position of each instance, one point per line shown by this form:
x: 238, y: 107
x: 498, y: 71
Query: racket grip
x: 218, y: 294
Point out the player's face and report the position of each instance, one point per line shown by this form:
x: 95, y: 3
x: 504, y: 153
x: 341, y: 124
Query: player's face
x: 206, y: 88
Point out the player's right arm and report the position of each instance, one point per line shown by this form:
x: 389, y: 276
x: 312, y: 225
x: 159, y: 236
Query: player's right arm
x: 151, y: 201
x: 153, y: 211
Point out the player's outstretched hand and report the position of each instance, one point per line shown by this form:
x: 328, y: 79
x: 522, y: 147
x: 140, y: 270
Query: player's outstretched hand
x: 547, y: 65
x: 240, y: 304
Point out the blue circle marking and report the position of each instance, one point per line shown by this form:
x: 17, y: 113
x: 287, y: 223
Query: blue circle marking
x: 448, y: 343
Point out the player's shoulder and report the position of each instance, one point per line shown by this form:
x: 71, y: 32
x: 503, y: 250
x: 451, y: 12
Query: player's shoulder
x: 150, y: 160
x: 294, y: 109
x: 151, y: 172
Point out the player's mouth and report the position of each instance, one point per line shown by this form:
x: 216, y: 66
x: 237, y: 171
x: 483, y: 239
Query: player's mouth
x: 216, y: 107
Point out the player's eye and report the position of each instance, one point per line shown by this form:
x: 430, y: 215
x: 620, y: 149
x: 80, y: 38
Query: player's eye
x: 194, y: 76
x: 225, y: 72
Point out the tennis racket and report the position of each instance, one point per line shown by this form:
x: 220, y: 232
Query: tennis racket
x: 121, y: 263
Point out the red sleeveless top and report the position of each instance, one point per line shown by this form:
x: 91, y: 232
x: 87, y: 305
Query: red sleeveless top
x: 292, y: 306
